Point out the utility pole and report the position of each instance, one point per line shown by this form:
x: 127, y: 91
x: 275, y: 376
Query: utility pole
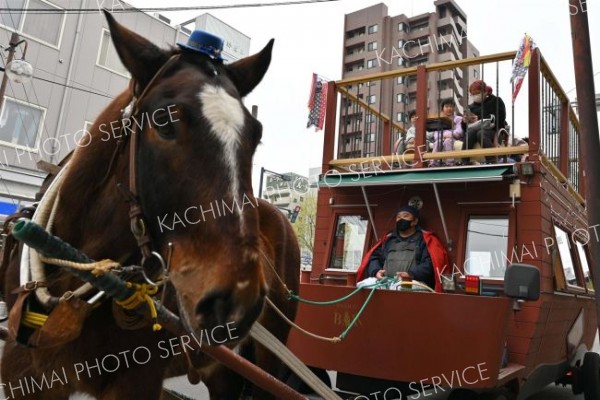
x: 588, y: 139
x: 19, y: 71
x: 14, y: 40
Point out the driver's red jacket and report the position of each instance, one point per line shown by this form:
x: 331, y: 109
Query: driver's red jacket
x: 437, y: 251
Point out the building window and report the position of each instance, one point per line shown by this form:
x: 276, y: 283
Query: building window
x: 369, y: 118
x: 475, y: 74
x: 401, y: 43
x: 43, y: 26
x: 402, y: 27
x: 400, y: 98
x: 349, y: 242
x: 400, y: 80
x: 371, y: 63
x: 402, y: 117
x: 108, y: 57
x: 371, y: 83
x: 372, y: 99
x: 21, y: 124
x: 373, y: 28
x: 442, y: 12
x: 401, y: 62
x: 372, y: 46
x: 487, y: 244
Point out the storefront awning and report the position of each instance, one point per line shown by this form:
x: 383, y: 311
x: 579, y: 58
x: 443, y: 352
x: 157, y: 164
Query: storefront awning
x: 483, y: 173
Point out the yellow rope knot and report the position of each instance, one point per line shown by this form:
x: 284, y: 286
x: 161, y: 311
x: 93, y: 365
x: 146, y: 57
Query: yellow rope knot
x: 143, y: 294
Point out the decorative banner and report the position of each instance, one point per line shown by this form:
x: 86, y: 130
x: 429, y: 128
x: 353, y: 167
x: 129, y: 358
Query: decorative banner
x: 317, y: 103
x: 521, y: 64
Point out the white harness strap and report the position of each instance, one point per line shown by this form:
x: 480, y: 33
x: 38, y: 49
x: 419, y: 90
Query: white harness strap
x: 32, y: 269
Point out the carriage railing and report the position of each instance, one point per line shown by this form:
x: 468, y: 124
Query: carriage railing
x: 373, y: 114
x: 559, y: 127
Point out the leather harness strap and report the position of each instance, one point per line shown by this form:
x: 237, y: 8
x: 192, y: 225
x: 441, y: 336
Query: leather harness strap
x: 136, y: 214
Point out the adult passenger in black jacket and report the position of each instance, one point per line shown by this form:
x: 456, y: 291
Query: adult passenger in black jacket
x: 484, y: 104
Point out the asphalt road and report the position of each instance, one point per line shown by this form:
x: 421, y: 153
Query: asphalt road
x: 199, y: 392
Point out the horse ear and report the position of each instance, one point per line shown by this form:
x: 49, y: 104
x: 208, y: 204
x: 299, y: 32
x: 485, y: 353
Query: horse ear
x: 248, y: 72
x: 141, y: 57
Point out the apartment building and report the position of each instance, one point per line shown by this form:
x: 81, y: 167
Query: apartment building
x: 376, y: 42
x: 77, y: 72
x: 287, y: 193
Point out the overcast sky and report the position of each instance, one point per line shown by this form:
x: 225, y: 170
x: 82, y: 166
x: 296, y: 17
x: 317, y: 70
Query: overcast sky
x: 308, y: 38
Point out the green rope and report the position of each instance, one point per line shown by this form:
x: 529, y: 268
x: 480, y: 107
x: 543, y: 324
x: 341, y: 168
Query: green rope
x: 351, y: 325
x: 384, y: 282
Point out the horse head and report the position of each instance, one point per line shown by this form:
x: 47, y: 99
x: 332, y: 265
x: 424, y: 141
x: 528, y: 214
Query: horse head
x: 196, y: 141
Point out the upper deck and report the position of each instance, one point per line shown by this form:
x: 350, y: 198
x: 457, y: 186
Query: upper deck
x: 368, y: 134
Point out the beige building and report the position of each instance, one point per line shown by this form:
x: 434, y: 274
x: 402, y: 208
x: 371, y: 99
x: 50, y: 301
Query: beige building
x: 376, y: 42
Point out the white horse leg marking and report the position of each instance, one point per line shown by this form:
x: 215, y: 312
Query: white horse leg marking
x: 226, y: 117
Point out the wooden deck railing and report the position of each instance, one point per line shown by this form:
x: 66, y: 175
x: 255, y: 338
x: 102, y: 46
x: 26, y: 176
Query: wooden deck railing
x: 553, y: 128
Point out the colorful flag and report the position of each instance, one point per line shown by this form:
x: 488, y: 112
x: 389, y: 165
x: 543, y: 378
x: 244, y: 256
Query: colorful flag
x: 521, y: 64
x: 317, y: 103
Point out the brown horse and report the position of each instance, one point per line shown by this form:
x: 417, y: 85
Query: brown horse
x: 192, y: 176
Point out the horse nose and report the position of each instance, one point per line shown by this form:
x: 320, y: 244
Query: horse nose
x: 215, y: 308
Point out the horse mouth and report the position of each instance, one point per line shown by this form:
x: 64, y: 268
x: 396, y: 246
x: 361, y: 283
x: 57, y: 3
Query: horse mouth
x: 212, y: 333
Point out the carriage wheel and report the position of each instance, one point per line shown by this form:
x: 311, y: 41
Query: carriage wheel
x: 590, y: 376
x: 463, y: 394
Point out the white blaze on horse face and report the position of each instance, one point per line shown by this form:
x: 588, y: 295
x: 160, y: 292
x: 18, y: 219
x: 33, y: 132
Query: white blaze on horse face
x: 226, y: 117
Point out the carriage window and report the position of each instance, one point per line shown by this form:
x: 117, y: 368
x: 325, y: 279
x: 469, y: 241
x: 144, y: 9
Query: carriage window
x: 564, y: 250
x: 585, y: 266
x: 349, y: 242
x: 20, y: 124
x: 487, y: 243
x: 108, y: 56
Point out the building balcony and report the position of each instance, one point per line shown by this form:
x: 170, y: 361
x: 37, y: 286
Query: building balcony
x: 354, y: 56
x: 448, y: 41
x: 356, y: 39
x: 450, y: 94
x: 420, y: 33
x: 447, y: 56
x: 456, y: 73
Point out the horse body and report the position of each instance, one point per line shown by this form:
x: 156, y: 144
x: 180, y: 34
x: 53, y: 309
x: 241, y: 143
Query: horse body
x: 194, y: 156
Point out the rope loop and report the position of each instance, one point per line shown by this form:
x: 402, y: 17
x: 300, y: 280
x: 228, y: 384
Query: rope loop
x: 97, y: 268
x: 143, y: 294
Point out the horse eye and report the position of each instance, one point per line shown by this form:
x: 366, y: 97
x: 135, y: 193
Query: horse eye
x: 164, y: 125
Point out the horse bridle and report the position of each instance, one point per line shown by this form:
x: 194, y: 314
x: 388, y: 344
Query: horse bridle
x: 138, y: 224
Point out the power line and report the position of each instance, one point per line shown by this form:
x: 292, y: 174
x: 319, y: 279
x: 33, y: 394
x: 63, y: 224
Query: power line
x: 160, y: 9
x: 74, y: 87
x: 68, y: 86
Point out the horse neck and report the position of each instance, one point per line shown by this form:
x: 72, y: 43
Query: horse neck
x: 92, y: 214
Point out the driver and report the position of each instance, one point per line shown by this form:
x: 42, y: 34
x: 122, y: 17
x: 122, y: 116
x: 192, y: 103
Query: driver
x: 408, y: 253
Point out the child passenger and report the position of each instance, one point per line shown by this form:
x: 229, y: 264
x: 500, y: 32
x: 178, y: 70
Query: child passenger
x: 407, y: 142
x: 444, y: 140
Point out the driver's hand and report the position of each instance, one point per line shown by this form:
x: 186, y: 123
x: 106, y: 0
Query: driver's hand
x: 380, y: 274
x: 405, y: 276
